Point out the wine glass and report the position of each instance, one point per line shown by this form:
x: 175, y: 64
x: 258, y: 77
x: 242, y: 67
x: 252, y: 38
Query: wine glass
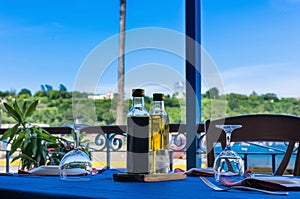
x: 76, y: 164
x: 228, y: 162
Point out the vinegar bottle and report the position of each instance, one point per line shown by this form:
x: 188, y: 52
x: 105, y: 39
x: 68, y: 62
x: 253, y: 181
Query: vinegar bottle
x: 138, y: 160
x: 159, y: 135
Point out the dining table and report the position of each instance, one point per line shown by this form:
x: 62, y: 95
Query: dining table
x: 103, y: 185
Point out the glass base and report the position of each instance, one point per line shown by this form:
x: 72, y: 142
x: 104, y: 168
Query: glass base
x: 75, y: 166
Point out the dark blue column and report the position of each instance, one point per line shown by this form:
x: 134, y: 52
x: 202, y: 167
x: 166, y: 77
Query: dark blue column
x: 193, y: 79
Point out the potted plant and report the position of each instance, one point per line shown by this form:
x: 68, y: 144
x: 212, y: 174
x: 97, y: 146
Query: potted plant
x: 63, y: 146
x: 31, y: 142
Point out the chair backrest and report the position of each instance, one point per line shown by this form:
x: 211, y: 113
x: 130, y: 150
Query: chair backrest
x: 258, y: 127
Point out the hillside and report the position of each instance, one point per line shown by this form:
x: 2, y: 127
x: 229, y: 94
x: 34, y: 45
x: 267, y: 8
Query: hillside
x: 55, y: 106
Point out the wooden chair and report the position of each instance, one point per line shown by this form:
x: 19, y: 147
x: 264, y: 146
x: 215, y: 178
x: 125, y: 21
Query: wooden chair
x: 258, y: 127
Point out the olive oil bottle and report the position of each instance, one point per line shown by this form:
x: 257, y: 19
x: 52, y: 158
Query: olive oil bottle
x: 159, y: 135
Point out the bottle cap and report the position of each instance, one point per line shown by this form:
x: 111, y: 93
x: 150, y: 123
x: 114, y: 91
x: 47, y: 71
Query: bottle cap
x: 138, y: 92
x: 158, y: 97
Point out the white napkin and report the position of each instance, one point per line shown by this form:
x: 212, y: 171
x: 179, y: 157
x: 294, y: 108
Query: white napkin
x: 282, y: 180
x: 46, y: 170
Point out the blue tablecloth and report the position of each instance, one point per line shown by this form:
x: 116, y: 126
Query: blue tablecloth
x: 103, y: 186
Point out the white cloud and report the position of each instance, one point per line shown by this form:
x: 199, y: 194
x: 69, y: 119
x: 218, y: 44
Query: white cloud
x: 282, y: 79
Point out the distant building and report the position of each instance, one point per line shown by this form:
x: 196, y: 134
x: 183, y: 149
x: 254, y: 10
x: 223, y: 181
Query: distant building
x: 3, y: 100
x: 6, y: 126
x: 179, y: 90
x: 108, y: 95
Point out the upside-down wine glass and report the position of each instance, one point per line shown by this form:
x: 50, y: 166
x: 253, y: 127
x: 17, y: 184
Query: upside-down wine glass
x: 76, y: 164
x: 228, y: 163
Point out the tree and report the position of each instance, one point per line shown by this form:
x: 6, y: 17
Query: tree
x: 54, y: 94
x: 41, y: 93
x: 48, y: 88
x: 212, y: 93
x: 62, y: 88
x: 7, y: 94
x: 64, y: 92
x: 270, y: 97
x: 120, y: 106
x: 43, y: 88
x: 24, y: 93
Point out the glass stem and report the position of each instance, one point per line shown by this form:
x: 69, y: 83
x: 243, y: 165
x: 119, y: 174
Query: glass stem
x: 228, y: 139
x: 76, y: 138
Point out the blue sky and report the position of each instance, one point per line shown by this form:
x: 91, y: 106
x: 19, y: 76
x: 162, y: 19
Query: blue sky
x: 254, y: 44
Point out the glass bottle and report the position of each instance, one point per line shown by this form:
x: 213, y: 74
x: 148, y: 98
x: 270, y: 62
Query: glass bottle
x: 138, y: 160
x: 159, y: 135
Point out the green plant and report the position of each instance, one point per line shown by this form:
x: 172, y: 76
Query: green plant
x: 58, y: 151
x: 33, y: 142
